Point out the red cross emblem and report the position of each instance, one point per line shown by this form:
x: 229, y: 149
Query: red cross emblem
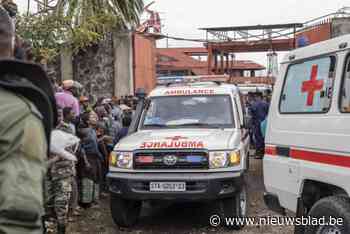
x: 312, y: 85
x: 176, y: 138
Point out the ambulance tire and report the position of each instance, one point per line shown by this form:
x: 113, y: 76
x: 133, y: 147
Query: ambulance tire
x: 335, y: 206
x: 236, y: 207
x: 125, y: 213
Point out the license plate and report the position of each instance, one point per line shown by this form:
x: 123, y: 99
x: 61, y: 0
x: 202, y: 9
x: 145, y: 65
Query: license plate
x: 167, y: 186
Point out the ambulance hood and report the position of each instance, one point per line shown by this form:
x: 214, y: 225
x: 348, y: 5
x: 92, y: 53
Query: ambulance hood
x: 211, y: 139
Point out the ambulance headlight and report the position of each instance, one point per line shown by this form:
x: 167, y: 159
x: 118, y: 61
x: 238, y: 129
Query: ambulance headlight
x: 121, y: 160
x: 222, y: 159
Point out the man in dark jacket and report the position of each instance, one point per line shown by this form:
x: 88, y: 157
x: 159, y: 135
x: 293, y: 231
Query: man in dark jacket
x: 259, y: 110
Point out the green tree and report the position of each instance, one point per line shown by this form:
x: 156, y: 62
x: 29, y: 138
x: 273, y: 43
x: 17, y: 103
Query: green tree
x: 78, y: 23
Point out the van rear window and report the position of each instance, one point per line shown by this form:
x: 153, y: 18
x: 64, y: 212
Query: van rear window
x: 308, y: 86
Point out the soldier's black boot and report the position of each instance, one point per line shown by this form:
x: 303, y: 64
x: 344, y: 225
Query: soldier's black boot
x: 61, y: 229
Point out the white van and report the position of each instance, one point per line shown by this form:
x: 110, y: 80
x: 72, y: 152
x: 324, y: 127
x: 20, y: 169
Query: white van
x: 307, y: 155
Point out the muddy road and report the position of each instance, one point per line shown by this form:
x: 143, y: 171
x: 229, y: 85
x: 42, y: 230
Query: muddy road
x: 179, y: 218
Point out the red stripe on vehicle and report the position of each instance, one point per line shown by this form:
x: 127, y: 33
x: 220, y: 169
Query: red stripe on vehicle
x: 324, y: 158
x: 271, y: 150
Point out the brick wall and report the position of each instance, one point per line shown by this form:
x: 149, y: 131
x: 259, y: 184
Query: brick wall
x: 144, y: 62
x: 317, y: 33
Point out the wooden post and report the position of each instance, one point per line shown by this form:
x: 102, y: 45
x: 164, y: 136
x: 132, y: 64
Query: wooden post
x: 232, y: 63
x: 216, y: 62
x: 221, y: 63
x: 210, y: 58
x: 227, y: 64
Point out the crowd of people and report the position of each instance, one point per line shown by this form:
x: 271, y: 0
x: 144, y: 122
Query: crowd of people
x: 29, y: 107
x: 73, y: 185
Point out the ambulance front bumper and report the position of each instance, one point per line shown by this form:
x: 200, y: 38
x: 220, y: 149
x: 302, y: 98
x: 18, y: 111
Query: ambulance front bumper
x: 199, y: 186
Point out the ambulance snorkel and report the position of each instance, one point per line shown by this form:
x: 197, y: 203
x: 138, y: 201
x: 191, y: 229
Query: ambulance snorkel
x: 141, y: 95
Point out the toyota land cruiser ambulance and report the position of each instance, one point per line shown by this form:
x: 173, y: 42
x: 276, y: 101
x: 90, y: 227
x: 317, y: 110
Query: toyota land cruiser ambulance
x: 187, y: 142
x: 307, y: 155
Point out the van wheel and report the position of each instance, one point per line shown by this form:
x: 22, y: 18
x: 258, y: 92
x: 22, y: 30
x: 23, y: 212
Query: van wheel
x: 125, y: 213
x: 236, y: 207
x: 331, y: 207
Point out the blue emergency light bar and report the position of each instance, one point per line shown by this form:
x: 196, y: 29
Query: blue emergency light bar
x: 165, y: 80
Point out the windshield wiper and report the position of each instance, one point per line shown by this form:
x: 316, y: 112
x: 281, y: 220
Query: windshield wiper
x: 194, y: 124
x: 204, y: 125
x: 155, y: 125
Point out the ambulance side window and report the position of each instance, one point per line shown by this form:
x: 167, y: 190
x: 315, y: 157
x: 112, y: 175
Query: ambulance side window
x: 345, y: 91
x: 308, y: 86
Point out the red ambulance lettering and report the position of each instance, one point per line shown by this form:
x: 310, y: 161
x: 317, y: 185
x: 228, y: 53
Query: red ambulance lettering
x: 172, y: 144
x: 156, y: 145
x: 200, y: 144
x: 190, y: 92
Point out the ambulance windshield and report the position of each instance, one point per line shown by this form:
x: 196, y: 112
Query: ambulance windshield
x: 189, y: 112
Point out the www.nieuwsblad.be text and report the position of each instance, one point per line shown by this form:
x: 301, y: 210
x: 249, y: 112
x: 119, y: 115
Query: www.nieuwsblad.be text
x: 216, y: 221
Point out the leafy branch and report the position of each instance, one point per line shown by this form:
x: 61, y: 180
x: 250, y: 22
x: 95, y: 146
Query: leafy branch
x: 77, y: 23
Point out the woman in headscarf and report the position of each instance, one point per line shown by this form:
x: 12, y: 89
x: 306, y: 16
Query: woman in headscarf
x: 90, y: 172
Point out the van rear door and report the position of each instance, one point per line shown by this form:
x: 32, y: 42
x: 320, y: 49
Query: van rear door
x: 299, y: 114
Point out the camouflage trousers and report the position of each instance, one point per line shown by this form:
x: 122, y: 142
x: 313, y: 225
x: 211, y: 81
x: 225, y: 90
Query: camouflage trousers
x: 58, y: 195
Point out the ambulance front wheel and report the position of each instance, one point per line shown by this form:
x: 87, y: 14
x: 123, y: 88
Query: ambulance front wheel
x: 334, y: 209
x: 125, y: 213
x: 236, y: 207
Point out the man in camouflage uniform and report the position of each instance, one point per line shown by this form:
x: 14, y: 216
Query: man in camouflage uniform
x: 60, y: 180
x: 59, y: 192
x: 27, y: 108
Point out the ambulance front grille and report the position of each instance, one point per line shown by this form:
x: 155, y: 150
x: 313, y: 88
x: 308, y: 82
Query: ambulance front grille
x: 160, y: 160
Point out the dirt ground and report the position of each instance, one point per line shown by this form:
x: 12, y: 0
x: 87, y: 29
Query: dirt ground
x: 180, y: 218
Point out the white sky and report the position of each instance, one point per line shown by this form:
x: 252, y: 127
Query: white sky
x: 182, y: 18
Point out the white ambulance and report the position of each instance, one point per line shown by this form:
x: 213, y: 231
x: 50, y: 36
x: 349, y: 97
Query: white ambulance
x: 187, y: 142
x: 307, y: 155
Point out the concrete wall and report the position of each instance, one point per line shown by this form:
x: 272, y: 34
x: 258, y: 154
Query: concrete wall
x: 113, y: 67
x: 93, y: 67
x: 66, y: 63
x: 54, y: 69
x: 123, y: 54
x: 340, y: 26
